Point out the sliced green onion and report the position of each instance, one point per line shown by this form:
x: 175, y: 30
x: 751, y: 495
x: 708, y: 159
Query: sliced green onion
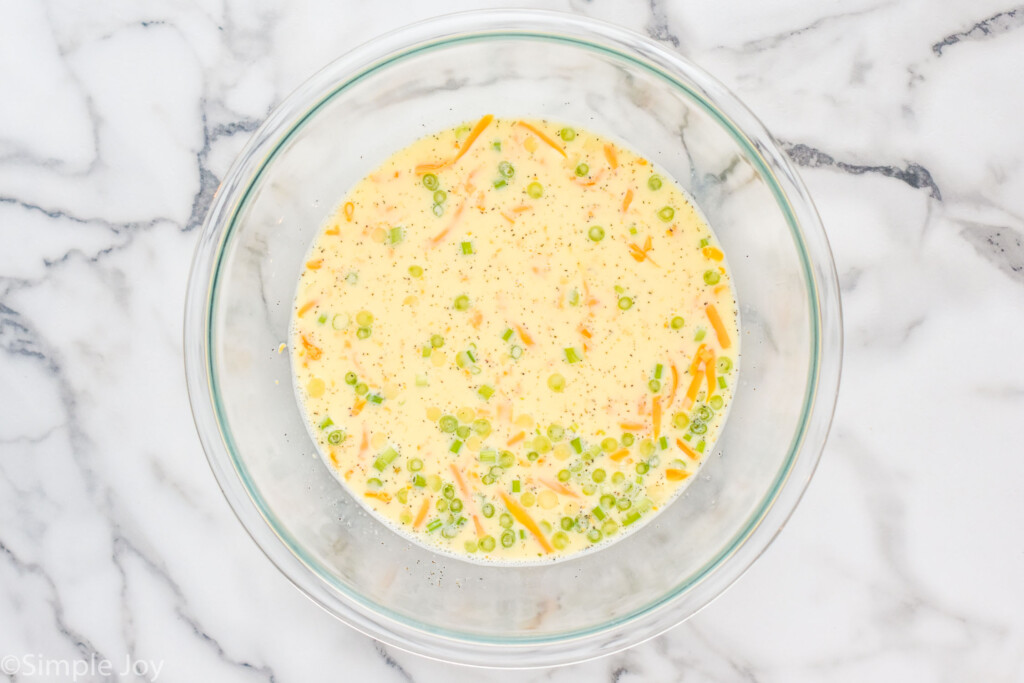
x: 461, y: 302
x: 363, y: 332
x: 699, y: 336
x: 609, y: 444
x: 564, y: 475
x: 485, y: 392
x: 322, y: 319
x: 448, y: 491
x: 630, y: 518
x: 421, y: 381
x: 374, y: 484
x: 594, y: 535
x: 641, y: 468
x: 463, y: 431
x: 385, y: 458
x: 658, y: 369
x: 700, y: 446
x: 482, y: 427
x: 598, y: 475
x: 327, y: 420
x: 721, y: 382
x: 507, y: 539
x: 698, y: 427
x: 507, y: 334
x: 677, y: 323
x: 506, y: 459
x: 566, y: 523
x: 532, y: 456
x: 724, y: 364
x: 711, y: 277
x: 448, y: 424
x: 496, y: 145
x: 416, y: 271
x: 415, y: 465
x: 488, y: 455
x: 535, y: 190
x: 577, y: 445
x: 498, y: 184
x: 505, y: 520
x: 375, y: 398
x: 487, y: 479
x: 506, y: 169
x: 625, y: 303
x: 663, y: 443
x: 627, y: 439
x: 515, y: 486
x: 467, y: 248
x: 556, y: 382
x: 515, y: 351
x: 567, y: 134
x: 419, y: 481
x: 654, y: 385
x: 352, y: 278
x: 582, y: 170
x: 704, y: 413
x: 654, y: 182
x: 455, y: 506
x: 430, y: 181
x: 437, y: 210
x: 361, y: 389
x: 486, y: 543
x: 666, y: 213
x: 574, y: 298
x: 334, y: 321
x: 336, y: 437
x: 556, y: 432
x: 596, y: 233
x: 364, y: 318
x: 607, y: 500
x: 623, y: 503
x: 487, y: 510
x: 704, y: 242
x: 680, y: 420
x: 716, y: 402
x: 599, y: 513
x: 559, y: 540
x: 436, y: 340
x: 440, y: 197
x: 434, y: 525
x: 396, y: 235
x: 351, y: 378
x: 572, y: 355
x: 470, y: 546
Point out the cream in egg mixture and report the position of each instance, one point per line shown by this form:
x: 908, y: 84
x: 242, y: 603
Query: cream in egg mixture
x: 515, y: 340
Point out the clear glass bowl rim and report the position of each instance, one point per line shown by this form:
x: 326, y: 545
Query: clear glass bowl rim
x: 777, y: 505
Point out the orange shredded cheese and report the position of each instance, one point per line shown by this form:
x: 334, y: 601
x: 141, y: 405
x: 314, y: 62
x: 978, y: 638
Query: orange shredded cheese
x: 543, y: 136
x: 524, y: 518
x: 716, y: 322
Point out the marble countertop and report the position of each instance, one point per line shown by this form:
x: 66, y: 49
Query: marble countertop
x: 905, y: 560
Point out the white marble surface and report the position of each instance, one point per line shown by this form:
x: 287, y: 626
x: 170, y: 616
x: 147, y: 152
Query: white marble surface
x: 905, y: 561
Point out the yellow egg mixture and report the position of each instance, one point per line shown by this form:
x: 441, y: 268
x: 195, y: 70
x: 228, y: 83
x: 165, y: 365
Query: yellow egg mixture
x: 515, y: 340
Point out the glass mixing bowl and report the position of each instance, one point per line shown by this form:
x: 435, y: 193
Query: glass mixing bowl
x: 330, y: 133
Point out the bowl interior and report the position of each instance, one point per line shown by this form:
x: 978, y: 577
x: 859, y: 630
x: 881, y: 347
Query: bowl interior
x: 360, y: 566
